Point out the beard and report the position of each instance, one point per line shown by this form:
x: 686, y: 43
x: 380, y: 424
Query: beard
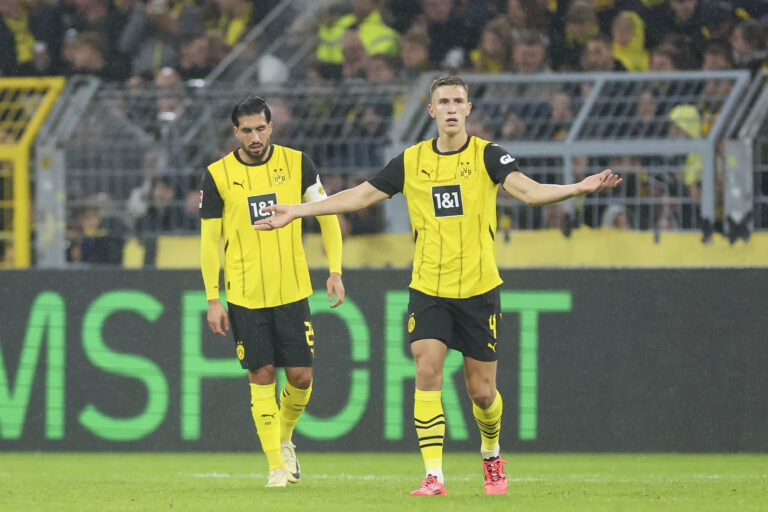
x: 257, y: 156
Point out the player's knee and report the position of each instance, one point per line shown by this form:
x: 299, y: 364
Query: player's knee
x: 262, y: 376
x: 301, y: 381
x: 482, y: 396
x: 431, y: 376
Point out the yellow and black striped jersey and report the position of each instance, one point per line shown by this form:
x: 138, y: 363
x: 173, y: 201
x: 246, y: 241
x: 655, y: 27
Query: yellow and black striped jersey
x: 452, y: 206
x: 261, y: 268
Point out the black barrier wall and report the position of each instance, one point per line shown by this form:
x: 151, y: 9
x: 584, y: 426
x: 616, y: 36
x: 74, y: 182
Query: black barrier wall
x: 590, y: 360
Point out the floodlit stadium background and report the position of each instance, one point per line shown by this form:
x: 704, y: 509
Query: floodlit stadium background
x: 633, y: 320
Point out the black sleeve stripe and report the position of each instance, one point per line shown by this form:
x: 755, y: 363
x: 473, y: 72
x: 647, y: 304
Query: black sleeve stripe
x: 211, y: 203
x: 308, y: 173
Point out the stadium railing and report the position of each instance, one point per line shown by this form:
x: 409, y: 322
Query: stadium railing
x: 563, y: 126
x: 24, y: 106
x: 109, y: 143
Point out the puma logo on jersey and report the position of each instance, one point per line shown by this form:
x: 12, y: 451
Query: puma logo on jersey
x: 427, y: 173
x: 236, y: 183
x: 506, y: 159
x: 268, y: 416
x: 492, y: 346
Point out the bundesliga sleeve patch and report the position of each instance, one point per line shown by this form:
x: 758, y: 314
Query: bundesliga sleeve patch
x: 200, y: 204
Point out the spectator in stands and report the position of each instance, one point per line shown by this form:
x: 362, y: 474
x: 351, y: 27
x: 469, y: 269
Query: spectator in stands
x: 195, y: 58
x: 415, y: 55
x: 447, y: 37
x: 628, y: 32
x: 526, y: 14
x: 598, y: 55
x: 377, y: 37
x: 750, y: 45
x: 17, y: 57
x: 235, y: 18
x: 354, y: 54
x: 686, y: 20
x: 170, y: 94
x: 153, y: 33
x: 646, y: 123
x: 94, y: 234
x: 567, y: 46
x: 283, y: 120
x: 686, y: 124
x: 402, y: 13
x: 334, y: 24
x: 139, y: 197
x: 718, y: 19
x: 513, y: 128
x: 529, y: 53
x: 616, y: 216
x: 372, y: 122
x: 717, y: 57
x: 164, y: 214
x: 561, y: 115
x: 494, y: 54
x: 103, y: 18
x: 84, y: 54
x: 381, y: 69
x: 673, y: 54
x: 478, y: 125
x: 192, y: 208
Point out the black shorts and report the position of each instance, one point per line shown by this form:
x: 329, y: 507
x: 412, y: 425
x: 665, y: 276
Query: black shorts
x: 470, y: 326
x: 281, y: 335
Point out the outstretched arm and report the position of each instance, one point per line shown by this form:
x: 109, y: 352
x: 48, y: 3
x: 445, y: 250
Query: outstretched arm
x: 348, y: 200
x: 530, y: 191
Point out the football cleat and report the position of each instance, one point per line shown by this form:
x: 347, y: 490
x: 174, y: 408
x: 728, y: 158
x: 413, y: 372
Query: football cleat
x: 278, y: 477
x: 288, y: 451
x: 431, y: 486
x: 495, y: 478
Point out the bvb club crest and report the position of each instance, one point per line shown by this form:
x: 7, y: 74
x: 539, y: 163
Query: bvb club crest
x: 279, y: 177
x: 240, y: 350
x: 411, y: 323
x: 465, y: 171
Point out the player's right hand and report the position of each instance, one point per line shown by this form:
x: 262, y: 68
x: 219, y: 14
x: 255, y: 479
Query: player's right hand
x: 218, y: 320
x: 281, y: 216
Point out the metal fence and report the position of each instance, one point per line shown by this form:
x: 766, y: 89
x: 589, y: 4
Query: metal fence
x: 658, y: 130
x: 121, y: 155
x: 117, y: 153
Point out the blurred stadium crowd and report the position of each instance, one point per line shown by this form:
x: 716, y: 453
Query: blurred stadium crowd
x: 163, y: 48
x: 386, y: 39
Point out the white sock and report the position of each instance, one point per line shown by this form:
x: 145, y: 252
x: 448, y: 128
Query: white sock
x: 437, y: 473
x: 491, y: 454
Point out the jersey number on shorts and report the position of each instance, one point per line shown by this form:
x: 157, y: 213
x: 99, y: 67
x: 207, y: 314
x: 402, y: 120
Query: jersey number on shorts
x: 447, y: 201
x: 310, y: 334
x: 256, y: 205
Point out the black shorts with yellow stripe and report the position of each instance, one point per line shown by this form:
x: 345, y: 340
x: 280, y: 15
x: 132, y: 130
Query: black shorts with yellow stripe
x: 281, y: 335
x: 469, y: 325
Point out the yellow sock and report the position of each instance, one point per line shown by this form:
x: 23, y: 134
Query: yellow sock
x: 293, y: 401
x: 489, y: 422
x: 430, y: 427
x: 264, y: 411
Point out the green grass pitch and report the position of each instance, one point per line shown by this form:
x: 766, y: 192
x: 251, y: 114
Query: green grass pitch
x: 343, y: 482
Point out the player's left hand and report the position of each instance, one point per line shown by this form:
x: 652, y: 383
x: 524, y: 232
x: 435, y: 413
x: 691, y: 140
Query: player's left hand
x: 335, y: 285
x: 599, y: 182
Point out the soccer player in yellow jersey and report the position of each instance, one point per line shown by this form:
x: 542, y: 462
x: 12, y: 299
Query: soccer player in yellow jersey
x: 266, y: 279
x: 450, y: 184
